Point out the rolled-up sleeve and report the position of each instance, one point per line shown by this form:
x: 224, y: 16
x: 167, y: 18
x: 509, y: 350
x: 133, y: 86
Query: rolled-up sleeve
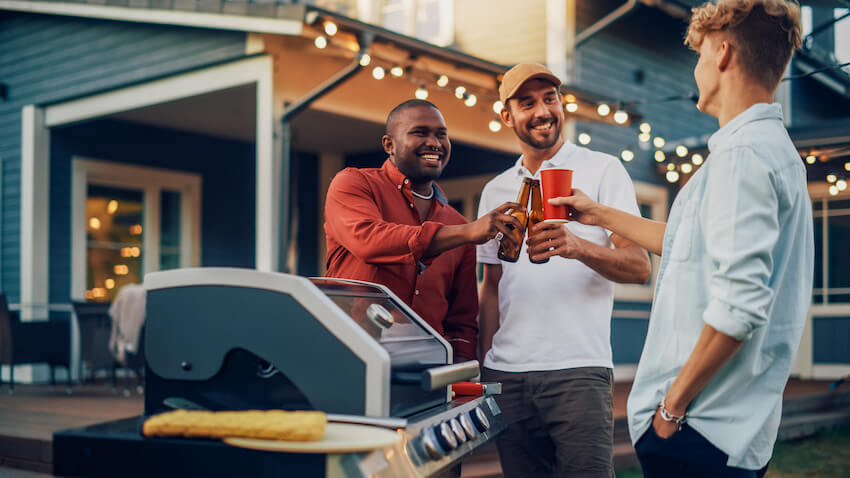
x: 740, y: 221
x: 461, y: 323
x: 354, y: 220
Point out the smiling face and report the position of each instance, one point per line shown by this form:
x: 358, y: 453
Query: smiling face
x: 417, y: 142
x: 535, y: 113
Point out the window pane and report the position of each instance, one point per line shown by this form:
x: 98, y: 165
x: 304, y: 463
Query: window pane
x: 114, y: 219
x: 169, y: 231
x: 817, y: 205
x: 843, y: 204
x: 818, y: 230
x: 839, y: 252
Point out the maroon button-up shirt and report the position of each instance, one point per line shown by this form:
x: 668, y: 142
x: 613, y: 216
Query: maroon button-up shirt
x: 374, y: 233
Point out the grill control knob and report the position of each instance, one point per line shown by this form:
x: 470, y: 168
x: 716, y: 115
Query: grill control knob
x: 479, y: 419
x: 446, y: 436
x: 468, y: 427
x: 458, y: 430
x: 429, y: 445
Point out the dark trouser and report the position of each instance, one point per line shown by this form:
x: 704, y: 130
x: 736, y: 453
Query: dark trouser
x: 560, y: 422
x: 686, y: 453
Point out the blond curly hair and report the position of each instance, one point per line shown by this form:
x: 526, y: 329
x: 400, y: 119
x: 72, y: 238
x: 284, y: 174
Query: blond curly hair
x: 764, y: 32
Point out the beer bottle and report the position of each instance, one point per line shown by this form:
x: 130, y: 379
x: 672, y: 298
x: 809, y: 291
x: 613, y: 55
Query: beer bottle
x: 536, y: 214
x: 511, y: 253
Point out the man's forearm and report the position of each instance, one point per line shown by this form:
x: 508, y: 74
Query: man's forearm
x: 643, y: 232
x: 629, y: 265
x: 447, y: 237
x: 713, y: 350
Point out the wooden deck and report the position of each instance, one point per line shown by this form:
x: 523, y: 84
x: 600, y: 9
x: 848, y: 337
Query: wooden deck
x: 29, y: 418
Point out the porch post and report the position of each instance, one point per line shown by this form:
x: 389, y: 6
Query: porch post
x: 268, y: 177
x: 35, y: 212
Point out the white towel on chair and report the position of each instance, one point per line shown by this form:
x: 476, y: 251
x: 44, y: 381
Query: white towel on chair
x: 128, y: 316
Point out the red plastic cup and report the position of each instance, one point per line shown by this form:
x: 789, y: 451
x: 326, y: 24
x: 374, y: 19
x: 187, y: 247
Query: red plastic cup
x: 556, y: 183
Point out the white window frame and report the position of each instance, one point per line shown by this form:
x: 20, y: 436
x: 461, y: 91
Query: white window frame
x: 818, y: 192
x: 151, y: 181
x: 410, y: 12
x: 657, y: 198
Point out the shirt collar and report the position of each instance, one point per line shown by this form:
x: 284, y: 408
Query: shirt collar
x: 400, y: 180
x: 757, y: 112
x: 558, y: 160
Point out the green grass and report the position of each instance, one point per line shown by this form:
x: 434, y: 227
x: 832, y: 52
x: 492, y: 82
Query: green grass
x: 825, y: 455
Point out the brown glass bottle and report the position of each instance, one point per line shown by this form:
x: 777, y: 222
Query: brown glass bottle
x: 536, y: 214
x: 511, y: 253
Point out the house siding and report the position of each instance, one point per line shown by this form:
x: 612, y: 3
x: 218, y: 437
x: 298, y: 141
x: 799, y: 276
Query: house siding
x: 831, y: 340
x: 607, y: 65
x: 48, y: 59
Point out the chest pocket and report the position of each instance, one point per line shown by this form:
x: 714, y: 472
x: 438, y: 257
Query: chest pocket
x: 681, y: 247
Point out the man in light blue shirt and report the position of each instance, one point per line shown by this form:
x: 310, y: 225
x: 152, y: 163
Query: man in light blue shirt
x: 735, y: 279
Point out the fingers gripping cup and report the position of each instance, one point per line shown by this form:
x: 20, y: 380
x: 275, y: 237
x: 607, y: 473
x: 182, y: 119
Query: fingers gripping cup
x: 556, y: 183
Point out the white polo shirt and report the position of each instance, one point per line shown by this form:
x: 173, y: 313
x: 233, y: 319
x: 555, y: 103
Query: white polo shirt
x: 556, y: 315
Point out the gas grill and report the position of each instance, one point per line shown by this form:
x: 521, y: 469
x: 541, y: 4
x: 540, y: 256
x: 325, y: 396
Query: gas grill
x: 239, y: 339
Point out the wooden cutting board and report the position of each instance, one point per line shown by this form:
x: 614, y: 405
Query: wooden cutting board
x: 338, y: 438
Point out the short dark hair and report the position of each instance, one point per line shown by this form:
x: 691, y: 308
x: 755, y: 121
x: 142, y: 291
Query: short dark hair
x: 414, y: 103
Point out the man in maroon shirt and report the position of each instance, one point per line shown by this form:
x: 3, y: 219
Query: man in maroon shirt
x: 393, y: 226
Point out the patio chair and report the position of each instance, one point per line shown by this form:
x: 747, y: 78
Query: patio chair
x: 43, y: 341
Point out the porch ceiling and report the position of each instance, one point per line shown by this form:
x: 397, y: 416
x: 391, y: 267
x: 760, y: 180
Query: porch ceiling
x: 230, y: 114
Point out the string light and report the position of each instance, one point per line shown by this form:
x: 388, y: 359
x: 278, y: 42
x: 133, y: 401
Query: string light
x: 584, y: 138
x: 459, y: 91
x: 495, y: 126
x: 603, y: 109
x: 94, y: 223
x: 470, y: 100
x: 330, y: 28
x: 847, y: 166
x: 572, y: 107
x: 397, y: 71
x: 644, y: 137
x: 627, y: 155
x: 671, y: 167
x: 681, y: 151
x: 497, y: 107
x: 621, y: 117
x: 658, y: 142
x: 696, y: 159
x: 833, y: 190
x: 811, y: 159
x: 421, y: 93
x: 442, y: 81
x: 320, y: 42
x: 841, y: 184
x: 378, y: 73
x: 831, y: 178
x: 365, y: 59
x: 645, y: 128
x: 112, y: 206
x: 660, y: 156
x: 109, y: 283
x: 687, y: 168
x: 672, y: 176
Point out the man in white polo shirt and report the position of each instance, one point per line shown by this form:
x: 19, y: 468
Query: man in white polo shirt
x: 545, y: 328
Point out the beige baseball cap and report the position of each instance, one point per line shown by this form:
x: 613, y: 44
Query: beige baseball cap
x: 519, y: 74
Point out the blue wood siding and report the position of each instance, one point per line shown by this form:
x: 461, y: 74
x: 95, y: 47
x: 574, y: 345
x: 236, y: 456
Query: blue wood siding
x: 831, y: 336
x: 627, y: 338
x: 47, y: 59
x: 227, y: 169
x: 608, y: 64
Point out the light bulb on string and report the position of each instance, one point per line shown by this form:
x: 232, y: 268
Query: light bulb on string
x: 584, y: 138
x: 671, y: 166
x: 847, y: 166
x: 320, y: 42
x: 397, y: 71
x: 459, y: 91
x: 696, y: 159
x: 497, y: 106
x: 660, y: 156
x: 810, y: 159
x: 421, y: 93
x: 681, y: 151
x: 365, y: 59
x: 495, y: 126
x: 331, y: 28
x: 470, y: 100
x: 572, y: 107
x: 620, y: 117
x: 672, y: 176
x: 442, y: 81
x: 659, y: 142
x: 687, y: 168
x: 644, y: 137
x: 831, y: 178
x: 645, y: 127
x: 603, y: 109
x: 627, y: 155
x: 378, y: 73
x: 841, y: 184
x: 833, y: 190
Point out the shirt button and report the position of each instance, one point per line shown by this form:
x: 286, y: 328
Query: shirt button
x: 416, y: 292
x: 406, y: 181
x: 411, y: 205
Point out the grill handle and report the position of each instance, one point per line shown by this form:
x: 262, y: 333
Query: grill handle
x: 439, y: 377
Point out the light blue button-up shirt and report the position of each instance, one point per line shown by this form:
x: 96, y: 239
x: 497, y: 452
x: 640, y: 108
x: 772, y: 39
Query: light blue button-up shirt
x: 738, y: 255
